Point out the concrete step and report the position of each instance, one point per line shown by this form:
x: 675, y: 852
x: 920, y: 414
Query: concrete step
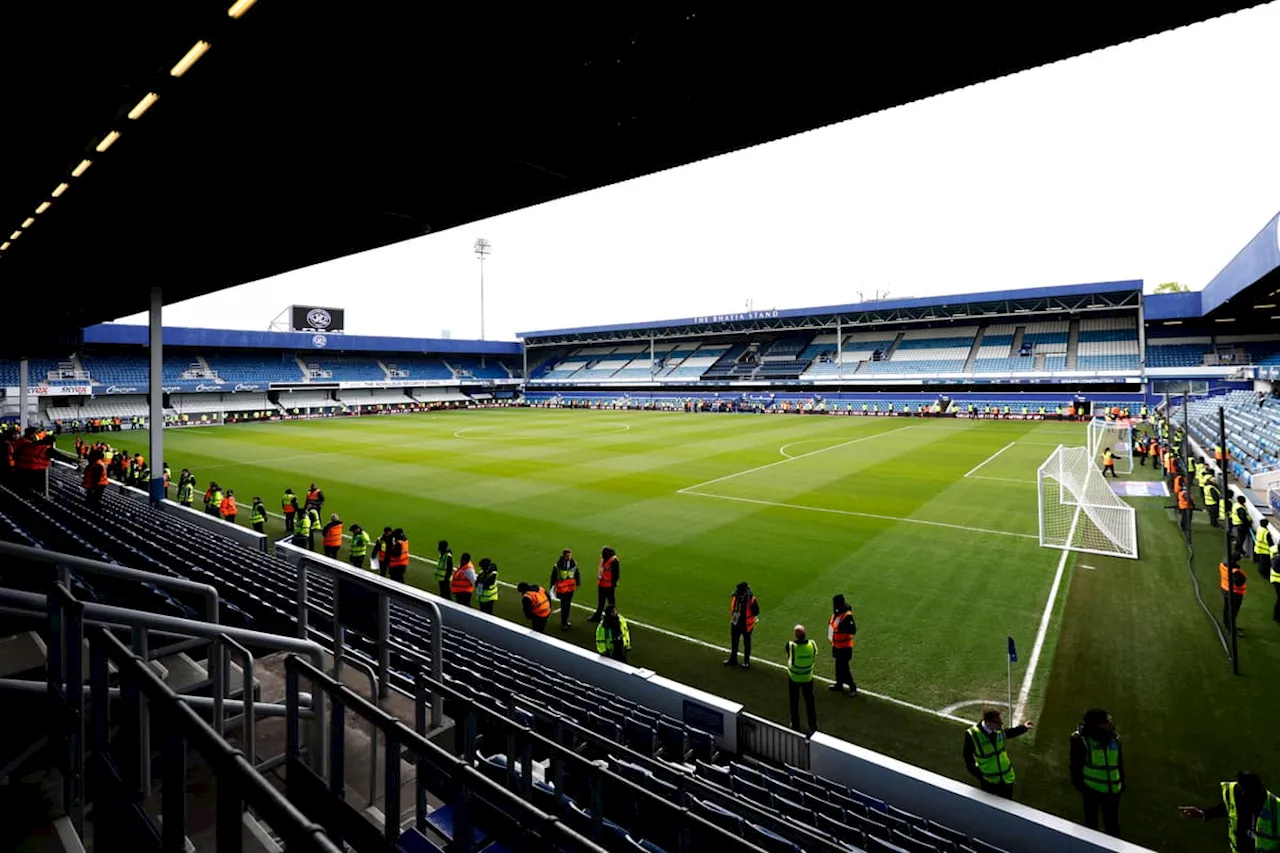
x: 21, y: 652
x: 27, y: 652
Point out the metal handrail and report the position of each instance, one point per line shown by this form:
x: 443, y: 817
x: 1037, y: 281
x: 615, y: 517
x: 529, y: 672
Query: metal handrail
x: 236, y: 775
x: 110, y: 616
x: 62, y: 562
x: 387, y: 590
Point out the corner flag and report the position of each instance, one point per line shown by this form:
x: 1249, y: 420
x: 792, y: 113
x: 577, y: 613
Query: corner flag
x: 1013, y: 651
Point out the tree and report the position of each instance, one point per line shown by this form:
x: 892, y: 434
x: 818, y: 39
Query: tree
x: 1171, y: 287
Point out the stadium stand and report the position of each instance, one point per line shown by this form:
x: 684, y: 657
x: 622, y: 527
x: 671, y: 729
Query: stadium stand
x: 1253, y: 431
x: 255, y: 368
x: 344, y: 369
x: 417, y: 367
x: 489, y: 368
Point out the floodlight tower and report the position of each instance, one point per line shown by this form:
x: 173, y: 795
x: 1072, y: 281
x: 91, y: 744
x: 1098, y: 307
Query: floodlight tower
x: 483, y: 247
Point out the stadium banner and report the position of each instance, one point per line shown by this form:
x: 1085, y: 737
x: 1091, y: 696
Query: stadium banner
x: 311, y: 318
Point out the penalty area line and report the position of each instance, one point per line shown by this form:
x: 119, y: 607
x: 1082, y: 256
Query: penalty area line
x: 858, y: 514
x: 990, y: 458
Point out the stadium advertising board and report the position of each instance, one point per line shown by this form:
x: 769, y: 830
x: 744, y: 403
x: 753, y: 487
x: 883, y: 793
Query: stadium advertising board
x: 52, y: 391
x: 312, y: 318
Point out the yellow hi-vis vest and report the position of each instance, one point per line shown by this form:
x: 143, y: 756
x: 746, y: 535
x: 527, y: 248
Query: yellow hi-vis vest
x: 800, y: 657
x: 1102, y: 765
x: 1265, y: 831
x: 992, y: 760
x: 1264, y: 542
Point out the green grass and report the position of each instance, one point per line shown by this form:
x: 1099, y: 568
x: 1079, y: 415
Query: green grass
x: 938, y: 566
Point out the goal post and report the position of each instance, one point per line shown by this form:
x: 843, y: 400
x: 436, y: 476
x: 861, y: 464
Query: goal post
x: 1079, y: 511
x: 1118, y: 435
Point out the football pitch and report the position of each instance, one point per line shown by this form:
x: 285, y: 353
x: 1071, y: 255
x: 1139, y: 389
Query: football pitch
x: 940, y: 567
x: 928, y: 527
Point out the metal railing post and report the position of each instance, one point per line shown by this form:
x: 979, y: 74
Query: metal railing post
x: 216, y: 661
x: 384, y: 650
x: 302, y: 600
x: 139, y: 646
x: 73, y: 783
x: 248, y: 721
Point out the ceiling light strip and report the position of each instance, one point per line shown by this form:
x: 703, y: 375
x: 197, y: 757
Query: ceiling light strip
x: 59, y: 190
x: 107, y: 141
x: 81, y: 169
x: 240, y: 7
x: 184, y: 64
x: 44, y: 205
x: 143, y: 105
x: 28, y: 222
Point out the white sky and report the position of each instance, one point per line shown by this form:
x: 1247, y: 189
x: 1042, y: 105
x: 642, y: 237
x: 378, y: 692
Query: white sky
x: 1155, y: 160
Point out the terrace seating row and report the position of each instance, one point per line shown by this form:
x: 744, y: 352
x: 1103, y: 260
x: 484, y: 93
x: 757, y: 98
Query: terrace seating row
x: 1253, y: 433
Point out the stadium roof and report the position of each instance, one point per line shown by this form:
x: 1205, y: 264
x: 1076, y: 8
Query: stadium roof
x: 1072, y: 298
x: 177, y: 336
x: 313, y: 130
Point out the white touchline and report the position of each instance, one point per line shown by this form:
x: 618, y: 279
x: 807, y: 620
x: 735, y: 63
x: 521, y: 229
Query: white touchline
x: 1025, y: 691
x: 858, y: 514
x: 790, y: 459
x: 989, y: 458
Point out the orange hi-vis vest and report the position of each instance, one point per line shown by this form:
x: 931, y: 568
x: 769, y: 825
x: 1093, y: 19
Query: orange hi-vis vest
x: 228, y: 506
x: 539, y: 603
x: 565, y: 584
x: 604, y: 577
x: 287, y: 505
x: 1154, y: 448
x: 460, y: 583
x: 1223, y: 580
x: 401, y: 560
x: 1178, y: 483
x: 333, y: 536
x: 95, y: 475
x: 749, y: 621
x: 313, y: 496
x: 840, y: 639
x: 1184, y: 500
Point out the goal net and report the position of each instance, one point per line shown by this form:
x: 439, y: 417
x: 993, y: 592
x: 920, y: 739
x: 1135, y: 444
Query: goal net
x: 1113, y: 434
x: 1078, y: 510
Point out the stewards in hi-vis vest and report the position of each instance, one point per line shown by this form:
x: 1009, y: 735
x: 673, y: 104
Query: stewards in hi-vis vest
x: 1251, y: 813
x: 463, y: 582
x: 984, y: 752
x: 487, y: 585
x: 840, y: 630
x: 1233, y: 584
x: 444, y: 570
x: 607, y: 577
x: 535, y: 604
x: 258, y: 515
x: 744, y: 610
x: 565, y: 580
x: 333, y: 536
x: 360, y: 543
x: 801, y: 654
x: 1097, y: 769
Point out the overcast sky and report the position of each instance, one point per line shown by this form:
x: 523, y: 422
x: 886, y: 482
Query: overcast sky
x: 1155, y: 160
